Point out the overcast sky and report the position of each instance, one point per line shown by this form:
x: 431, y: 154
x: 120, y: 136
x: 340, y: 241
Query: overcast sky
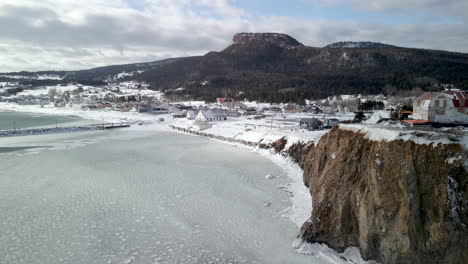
x: 78, y: 34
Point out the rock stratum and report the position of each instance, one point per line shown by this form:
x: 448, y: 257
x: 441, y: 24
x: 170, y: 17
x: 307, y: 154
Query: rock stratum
x: 398, y: 201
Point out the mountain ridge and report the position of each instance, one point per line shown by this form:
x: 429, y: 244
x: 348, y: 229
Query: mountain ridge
x: 277, y: 68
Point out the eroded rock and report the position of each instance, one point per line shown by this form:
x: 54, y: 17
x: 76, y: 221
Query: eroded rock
x: 398, y: 201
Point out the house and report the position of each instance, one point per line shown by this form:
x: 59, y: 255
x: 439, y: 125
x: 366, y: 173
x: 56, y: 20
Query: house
x: 223, y: 100
x: 292, y: 108
x: 310, y: 123
x: 234, y: 105
x: 158, y: 111
x: 330, y: 122
x: 211, y: 115
x: 233, y: 113
x: 192, y: 114
x: 179, y: 114
x: 143, y: 108
x: 250, y: 111
x: 442, y: 107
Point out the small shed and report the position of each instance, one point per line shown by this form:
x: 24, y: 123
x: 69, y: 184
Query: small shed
x: 330, y: 122
x: 311, y: 123
x: 233, y: 113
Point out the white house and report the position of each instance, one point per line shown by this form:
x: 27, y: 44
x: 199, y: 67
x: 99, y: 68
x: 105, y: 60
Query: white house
x: 442, y: 107
x: 192, y: 114
x: 211, y: 115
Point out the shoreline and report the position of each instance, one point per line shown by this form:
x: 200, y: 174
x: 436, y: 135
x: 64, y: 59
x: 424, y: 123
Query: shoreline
x: 300, y: 207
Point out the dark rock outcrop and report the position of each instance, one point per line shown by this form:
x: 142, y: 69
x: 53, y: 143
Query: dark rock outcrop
x: 359, y: 45
x: 278, y: 39
x: 398, y: 201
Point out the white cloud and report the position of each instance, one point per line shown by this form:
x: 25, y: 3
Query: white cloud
x: 110, y: 31
x: 432, y: 8
x: 322, y: 32
x: 70, y: 34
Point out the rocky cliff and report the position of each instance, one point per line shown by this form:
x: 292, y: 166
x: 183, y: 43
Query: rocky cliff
x: 398, y: 201
x: 278, y: 39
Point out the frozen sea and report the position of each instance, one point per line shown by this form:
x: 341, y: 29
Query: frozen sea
x: 18, y: 120
x: 141, y: 196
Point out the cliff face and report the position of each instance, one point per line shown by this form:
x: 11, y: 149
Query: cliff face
x: 399, y: 201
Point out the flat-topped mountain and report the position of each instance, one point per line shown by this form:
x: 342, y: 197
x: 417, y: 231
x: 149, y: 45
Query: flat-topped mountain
x: 359, y: 45
x: 278, y: 39
x: 277, y: 68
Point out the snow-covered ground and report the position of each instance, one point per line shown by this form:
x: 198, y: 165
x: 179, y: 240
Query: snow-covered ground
x: 99, y: 115
x: 265, y: 130
x: 377, y: 116
x: 398, y: 132
x: 34, y: 77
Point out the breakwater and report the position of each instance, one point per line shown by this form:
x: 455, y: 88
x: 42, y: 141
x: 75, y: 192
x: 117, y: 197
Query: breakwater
x: 58, y: 130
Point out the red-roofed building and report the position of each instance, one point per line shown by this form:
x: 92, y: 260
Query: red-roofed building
x: 442, y: 107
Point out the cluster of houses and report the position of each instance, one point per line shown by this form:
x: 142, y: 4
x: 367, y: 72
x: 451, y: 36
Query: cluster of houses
x: 318, y: 123
x: 449, y: 107
x: 207, y: 115
x: 121, y: 97
x: 202, y: 117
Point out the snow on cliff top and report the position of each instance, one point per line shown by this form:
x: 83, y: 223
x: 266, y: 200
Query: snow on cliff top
x: 391, y: 133
x: 377, y: 116
x: 266, y: 130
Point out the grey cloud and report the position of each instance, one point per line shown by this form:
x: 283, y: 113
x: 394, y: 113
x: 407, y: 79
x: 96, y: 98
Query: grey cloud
x: 320, y: 33
x: 435, y: 9
x: 98, y: 30
x: 126, y: 36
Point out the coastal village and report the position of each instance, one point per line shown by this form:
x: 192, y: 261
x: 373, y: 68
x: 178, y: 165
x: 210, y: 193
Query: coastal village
x: 121, y: 104
x: 225, y: 131
x: 448, y: 108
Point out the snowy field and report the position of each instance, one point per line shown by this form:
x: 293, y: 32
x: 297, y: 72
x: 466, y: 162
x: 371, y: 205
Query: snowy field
x: 265, y: 130
x: 144, y: 195
x: 98, y: 115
